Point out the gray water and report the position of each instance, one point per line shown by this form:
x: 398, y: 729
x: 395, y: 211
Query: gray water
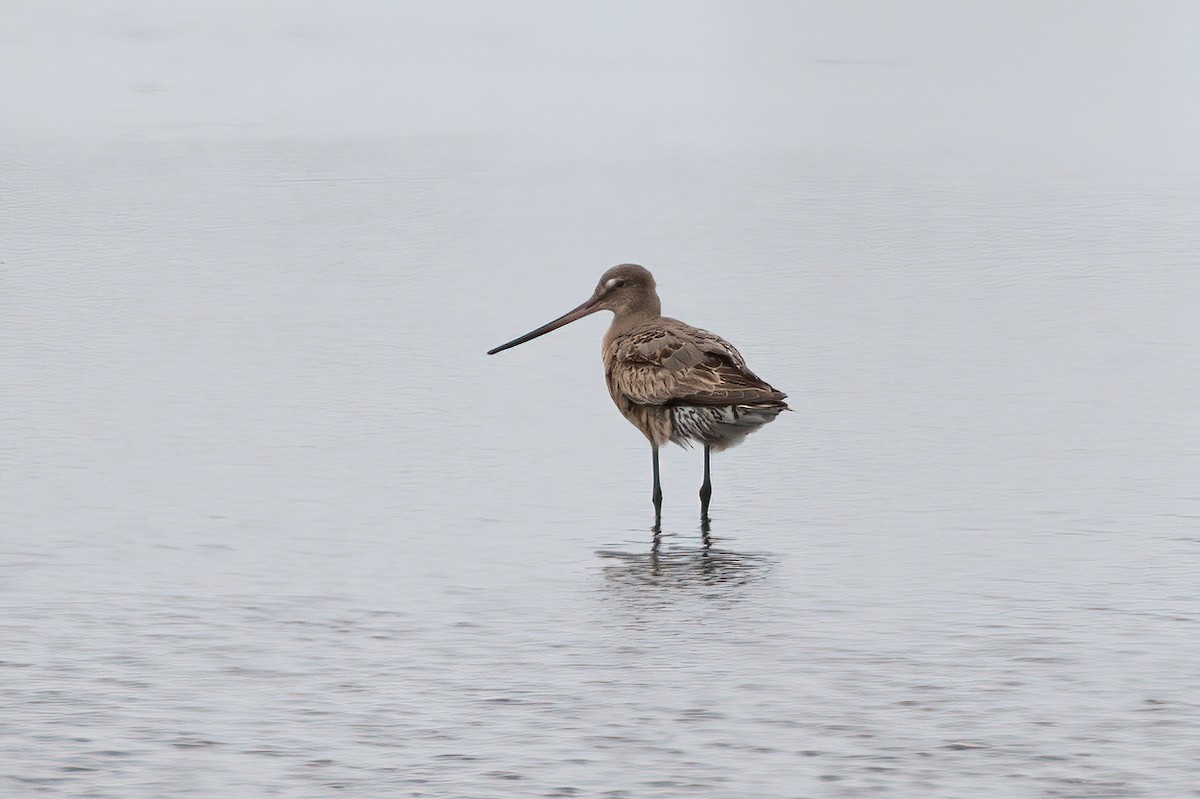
x: 271, y: 524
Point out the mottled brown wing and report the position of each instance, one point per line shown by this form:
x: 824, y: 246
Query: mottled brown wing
x: 683, y: 365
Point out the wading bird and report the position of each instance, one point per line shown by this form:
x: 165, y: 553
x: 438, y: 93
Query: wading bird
x: 674, y: 382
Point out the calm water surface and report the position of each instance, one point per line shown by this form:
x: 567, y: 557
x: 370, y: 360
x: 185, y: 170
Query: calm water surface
x: 275, y: 526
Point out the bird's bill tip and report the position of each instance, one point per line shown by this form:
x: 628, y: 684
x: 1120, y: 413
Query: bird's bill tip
x: 591, y: 306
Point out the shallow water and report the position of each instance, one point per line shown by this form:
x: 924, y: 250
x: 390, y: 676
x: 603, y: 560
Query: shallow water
x: 274, y: 525
x: 277, y: 525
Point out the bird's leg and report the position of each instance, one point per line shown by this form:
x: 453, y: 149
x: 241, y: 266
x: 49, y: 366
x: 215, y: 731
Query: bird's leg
x: 705, y: 492
x: 657, y: 495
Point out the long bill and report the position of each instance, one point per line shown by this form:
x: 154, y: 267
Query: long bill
x: 589, y: 307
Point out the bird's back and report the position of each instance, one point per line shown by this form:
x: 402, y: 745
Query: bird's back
x: 680, y: 383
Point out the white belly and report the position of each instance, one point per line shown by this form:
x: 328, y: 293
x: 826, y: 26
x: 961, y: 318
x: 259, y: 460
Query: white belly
x: 719, y: 426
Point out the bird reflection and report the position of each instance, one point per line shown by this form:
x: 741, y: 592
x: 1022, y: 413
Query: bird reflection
x: 667, y: 565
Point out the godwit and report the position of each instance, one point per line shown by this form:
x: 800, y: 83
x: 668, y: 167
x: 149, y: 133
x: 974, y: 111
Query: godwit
x: 674, y: 382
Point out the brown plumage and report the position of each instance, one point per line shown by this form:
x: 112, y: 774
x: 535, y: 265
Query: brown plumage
x: 674, y: 382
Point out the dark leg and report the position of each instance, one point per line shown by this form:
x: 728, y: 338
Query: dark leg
x: 705, y: 492
x: 657, y: 496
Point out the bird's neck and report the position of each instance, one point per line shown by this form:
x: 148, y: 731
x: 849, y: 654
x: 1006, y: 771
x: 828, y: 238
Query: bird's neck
x: 627, y: 320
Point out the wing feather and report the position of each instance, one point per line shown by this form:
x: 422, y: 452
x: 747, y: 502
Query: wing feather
x: 677, y: 364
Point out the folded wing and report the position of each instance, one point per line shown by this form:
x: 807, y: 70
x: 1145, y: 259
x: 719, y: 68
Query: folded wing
x: 681, y: 365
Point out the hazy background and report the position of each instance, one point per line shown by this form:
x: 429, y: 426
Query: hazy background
x: 1065, y: 85
x: 272, y: 524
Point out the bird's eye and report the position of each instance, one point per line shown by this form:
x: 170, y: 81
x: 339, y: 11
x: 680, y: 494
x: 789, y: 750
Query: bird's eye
x: 619, y: 283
